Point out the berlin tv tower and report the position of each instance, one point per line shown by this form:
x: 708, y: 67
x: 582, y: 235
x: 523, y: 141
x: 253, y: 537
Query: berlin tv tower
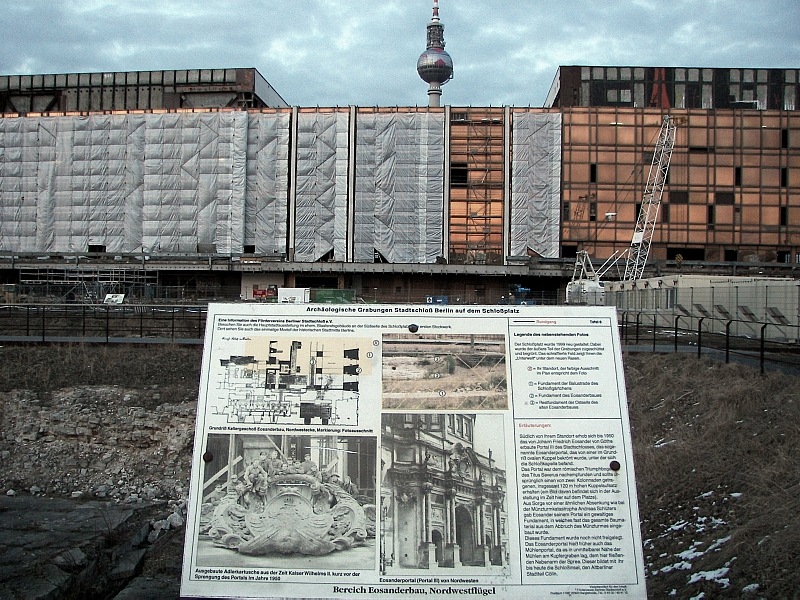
x: 435, y: 66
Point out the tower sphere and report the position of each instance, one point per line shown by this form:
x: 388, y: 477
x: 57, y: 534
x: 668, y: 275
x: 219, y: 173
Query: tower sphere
x: 435, y: 65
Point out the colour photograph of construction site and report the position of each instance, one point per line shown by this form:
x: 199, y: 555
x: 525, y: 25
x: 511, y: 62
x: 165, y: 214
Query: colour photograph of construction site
x: 444, y: 372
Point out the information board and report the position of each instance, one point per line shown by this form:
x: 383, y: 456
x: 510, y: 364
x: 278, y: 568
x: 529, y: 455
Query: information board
x: 366, y: 450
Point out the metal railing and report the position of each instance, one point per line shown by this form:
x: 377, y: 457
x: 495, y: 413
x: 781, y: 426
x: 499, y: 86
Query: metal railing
x: 104, y: 323
x: 773, y: 344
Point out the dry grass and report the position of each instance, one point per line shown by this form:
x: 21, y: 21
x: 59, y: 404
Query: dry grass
x: 717, y: 447
x: 175, y: 370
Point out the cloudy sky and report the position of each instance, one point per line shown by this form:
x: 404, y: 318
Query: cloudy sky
x: 341, y: 52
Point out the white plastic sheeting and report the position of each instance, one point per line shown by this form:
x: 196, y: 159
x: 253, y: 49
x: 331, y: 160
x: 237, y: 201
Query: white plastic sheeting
x: 194, y: 182
x: 219, y: 181
x: 399, y: 187
x: 321, y: 200
x: 266, y: 197
x: 535, y: 184
x: 172, y: 182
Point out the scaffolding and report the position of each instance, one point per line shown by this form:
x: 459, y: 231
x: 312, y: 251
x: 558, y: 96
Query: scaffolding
x: 476, y: 186
x: 86, y: 285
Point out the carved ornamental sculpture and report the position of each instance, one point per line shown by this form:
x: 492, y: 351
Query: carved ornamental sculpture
x: 293, y: 513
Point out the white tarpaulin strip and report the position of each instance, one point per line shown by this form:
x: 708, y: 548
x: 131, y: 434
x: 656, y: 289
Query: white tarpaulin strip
x: 267, y: 187
x: 133, y: 190
x: 399, y: 187
x: 321, y: 202
x: 535, y: 184
x: 20, y: 154
x: 129, y: 183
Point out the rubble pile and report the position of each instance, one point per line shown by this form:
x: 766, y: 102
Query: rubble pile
x: 101, y: 442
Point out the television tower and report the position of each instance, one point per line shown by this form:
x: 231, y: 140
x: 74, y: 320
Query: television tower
x: 435, y: 66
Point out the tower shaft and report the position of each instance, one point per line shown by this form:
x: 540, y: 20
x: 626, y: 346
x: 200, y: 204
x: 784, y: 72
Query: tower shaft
x: 435, y: 66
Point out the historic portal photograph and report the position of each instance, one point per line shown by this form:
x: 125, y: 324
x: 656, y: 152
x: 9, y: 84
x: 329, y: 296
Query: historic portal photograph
x: 443, y: 494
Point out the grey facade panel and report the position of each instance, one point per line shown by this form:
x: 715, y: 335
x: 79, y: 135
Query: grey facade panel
x: 536, y: 184
x: 399, y: 187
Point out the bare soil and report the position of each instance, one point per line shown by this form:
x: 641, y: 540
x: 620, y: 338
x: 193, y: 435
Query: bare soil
x: 422, y: 382
x: 717, y: 457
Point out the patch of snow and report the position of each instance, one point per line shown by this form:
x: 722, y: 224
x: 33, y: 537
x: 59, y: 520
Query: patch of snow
x: 678, y: 526
x: 681, y: 566
x: 751, y: 589
x: 718, y: 543
x: 717, y: 576
x: 736, y: 495
x: 690, y: 554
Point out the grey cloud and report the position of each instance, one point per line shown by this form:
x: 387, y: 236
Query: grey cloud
x: 339, y: 52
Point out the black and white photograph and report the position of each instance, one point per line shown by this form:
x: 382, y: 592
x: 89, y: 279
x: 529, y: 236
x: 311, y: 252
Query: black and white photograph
x: 443, y: 494
x: 283, y: 501
x: 450, y: 371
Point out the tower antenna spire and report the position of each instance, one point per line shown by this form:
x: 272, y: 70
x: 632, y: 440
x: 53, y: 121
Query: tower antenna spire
x: 435, y: 66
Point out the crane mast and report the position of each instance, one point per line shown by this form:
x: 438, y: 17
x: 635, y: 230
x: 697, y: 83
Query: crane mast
x: 586, y: 286
x: 648, y: 215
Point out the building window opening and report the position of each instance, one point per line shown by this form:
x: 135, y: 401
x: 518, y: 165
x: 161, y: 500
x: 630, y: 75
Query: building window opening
x: 593, y: 173
x: 97, y: 248
x: 785, y: 139
x: 784, y: 216
x: 678, y: 197
x: 737, y: 176
x: 459, y: 175
x: 686, y: 253
x: 784, y: 177
x: 726, y: 198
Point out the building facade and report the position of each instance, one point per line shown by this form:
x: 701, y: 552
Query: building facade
x: 732, y: 192
x: 397, y: 203
x: 674, y: 87
x: 136, y: 90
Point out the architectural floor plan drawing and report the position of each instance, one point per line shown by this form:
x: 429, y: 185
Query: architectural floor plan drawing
x: 292, y: 382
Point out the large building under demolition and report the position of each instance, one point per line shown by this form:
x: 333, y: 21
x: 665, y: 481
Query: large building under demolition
x: 205, y: 183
